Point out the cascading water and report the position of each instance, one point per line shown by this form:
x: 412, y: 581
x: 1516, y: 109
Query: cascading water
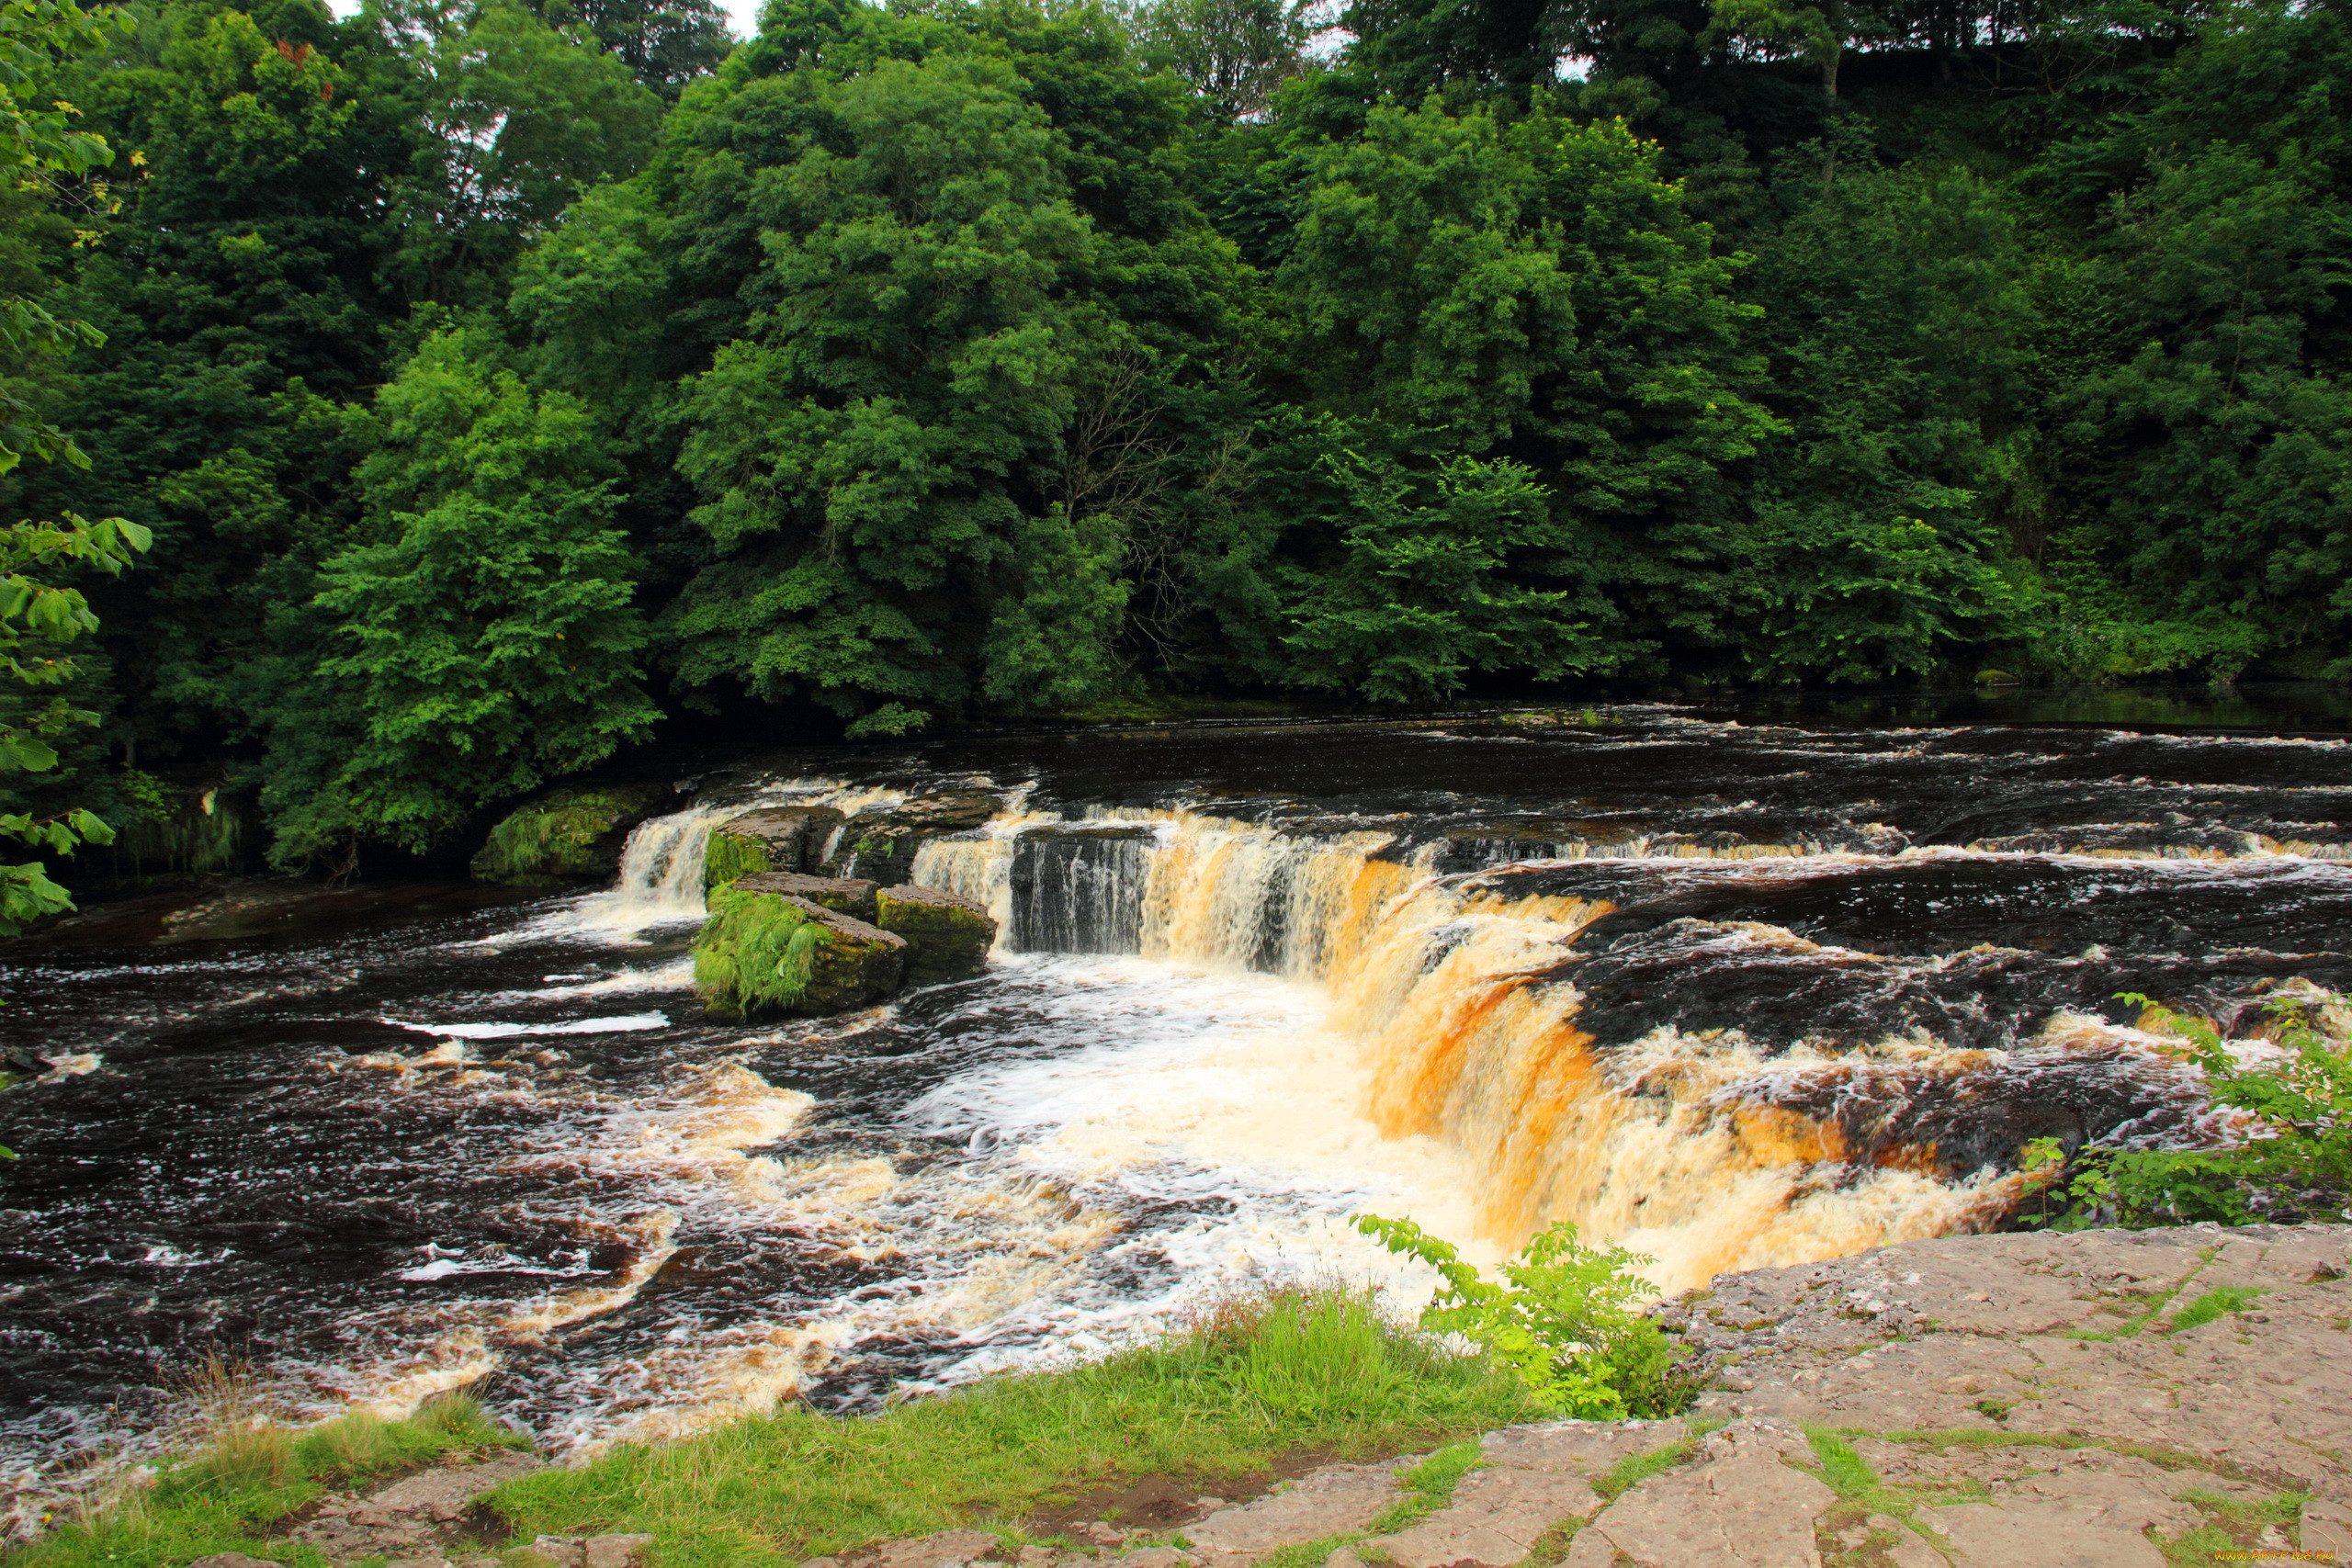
x: 1731, y: 995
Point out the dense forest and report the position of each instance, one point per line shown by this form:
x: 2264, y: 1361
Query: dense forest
x: 480, y: 383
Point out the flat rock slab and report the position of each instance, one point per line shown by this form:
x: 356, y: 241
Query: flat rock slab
x: 591, y: 1551
x: 946, y: 1549
x: 2056, y: 1335
x: 1494, y: 1519
x: 1737, y: 1506
x: 2036, y: 1535
x: 1589, y: 1448
x: 1337, y: 1499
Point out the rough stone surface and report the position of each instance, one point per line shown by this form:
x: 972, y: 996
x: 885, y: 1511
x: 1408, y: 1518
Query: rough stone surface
x: 1494, y: 1519
x: 941, y: 1551
x: 232, y: 1560
x: 843, y: 895
x: 420, y: 1515
x: 1738, y: 1506
x: 2051, y: 1336
x: 2021, y: 1401
x: 882, y: 844
x: 948, y: 938
x: 1334, y: 1500
x: 613, y: 1551
x: 1580, y: 1448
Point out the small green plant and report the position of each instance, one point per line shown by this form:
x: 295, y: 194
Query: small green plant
x: 1562, y: 1319
x: 2292, y: 1162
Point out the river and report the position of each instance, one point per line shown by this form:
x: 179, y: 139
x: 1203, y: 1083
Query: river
x: 1736, y: 988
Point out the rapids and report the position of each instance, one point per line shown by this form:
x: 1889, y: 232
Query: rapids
x: 1735, y: 991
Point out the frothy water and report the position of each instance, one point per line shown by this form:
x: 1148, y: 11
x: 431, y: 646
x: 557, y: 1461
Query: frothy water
x: 1732, y: 997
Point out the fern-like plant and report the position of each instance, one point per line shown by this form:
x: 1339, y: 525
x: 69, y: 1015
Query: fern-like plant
x: 1562, y: 1318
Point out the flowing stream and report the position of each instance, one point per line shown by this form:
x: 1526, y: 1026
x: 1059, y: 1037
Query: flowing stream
x: 1734, y: 993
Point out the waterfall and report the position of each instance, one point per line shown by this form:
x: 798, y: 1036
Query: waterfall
x: 1080, y: 889
x: 1455, y: 992
x: 661, y: 863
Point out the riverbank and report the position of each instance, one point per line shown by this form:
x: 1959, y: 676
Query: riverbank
x: 2132, y: 1398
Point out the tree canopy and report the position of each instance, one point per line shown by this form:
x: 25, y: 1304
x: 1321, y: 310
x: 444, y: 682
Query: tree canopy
x: 499, y: 377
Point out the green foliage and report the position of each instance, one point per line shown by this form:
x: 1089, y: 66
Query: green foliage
x: 490, y: 638
x: 553, y: 836
x: 2290, y: 1157
x: 1428, y: 583
x: 1561, y: 1319
x: 910, y: 361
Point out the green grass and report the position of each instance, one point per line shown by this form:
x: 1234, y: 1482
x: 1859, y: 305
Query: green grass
x: 1634, y: 1468
x: 2217, y: 1303
x: 2155, y: 1304
x: 1318, y: 1371
x: 1429, y: 1486
x: 226, y: 1497
x: 2231, y: 1524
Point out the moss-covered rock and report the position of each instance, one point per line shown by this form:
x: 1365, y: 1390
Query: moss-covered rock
x: 782, y: 837
x: 843, y: 895
x: 571, y: 830
x: 948, y: 938
x: 762, y: 954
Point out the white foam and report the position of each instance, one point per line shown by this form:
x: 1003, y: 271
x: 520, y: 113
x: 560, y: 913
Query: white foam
x: 622, y: 1025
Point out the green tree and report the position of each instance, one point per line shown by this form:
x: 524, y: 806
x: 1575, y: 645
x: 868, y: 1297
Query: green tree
x: 666, y: 43
x: 1234, y: 54
x: 38, y: 616
x: 519, y: 120
x: 487, y: 635
x: 874, y: 447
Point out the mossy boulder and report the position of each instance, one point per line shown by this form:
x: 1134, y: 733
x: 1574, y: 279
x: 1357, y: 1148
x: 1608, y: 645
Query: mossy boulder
x: 780, y: 838
x: 843, y: 895
x: 573, y: 830
x: 948, y: 938
x: 765, y: 954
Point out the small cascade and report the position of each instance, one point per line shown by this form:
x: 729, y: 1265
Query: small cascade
x: 662, y: 864
x: 1237, y: 896
x: 1080, y: 889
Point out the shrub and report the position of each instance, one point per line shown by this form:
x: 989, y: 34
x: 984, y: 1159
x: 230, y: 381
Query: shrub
x: 2292, y: 1161
x: 1564, y: 1321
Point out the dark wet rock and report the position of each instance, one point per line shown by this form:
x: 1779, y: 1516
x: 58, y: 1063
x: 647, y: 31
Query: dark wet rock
x: 882, y: 845
x: 947, y: 937
x: 843, y: 895
x: 574, y: 830
x: 768, y: 954
x: 780, y: 838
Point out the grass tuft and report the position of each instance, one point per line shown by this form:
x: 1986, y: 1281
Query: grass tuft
x: 2217, y: 1303
x: 1317, y: 1369
x: 1430, y: 1485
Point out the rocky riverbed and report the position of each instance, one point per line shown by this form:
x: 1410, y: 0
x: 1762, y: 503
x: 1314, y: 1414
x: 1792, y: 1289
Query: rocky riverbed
x: 2109, y: 1399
